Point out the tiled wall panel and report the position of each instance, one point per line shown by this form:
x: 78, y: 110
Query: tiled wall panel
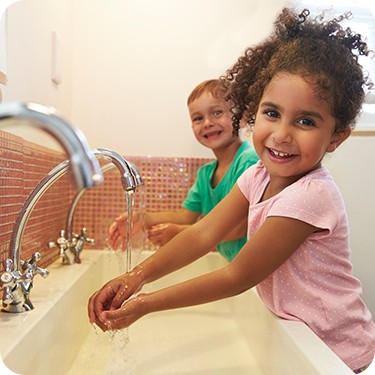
x: 23, y: 165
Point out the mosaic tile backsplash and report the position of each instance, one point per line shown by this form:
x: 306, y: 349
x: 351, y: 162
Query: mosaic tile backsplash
x: 23, y: 164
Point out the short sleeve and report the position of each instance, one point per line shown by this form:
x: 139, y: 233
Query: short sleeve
x: 312, y: 201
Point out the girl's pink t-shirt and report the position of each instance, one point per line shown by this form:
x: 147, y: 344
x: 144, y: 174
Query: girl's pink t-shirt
x: 316, y: 284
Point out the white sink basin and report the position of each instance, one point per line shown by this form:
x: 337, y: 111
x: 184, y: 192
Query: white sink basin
x: 234, y: 336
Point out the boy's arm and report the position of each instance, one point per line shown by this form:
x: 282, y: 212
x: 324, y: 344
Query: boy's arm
x: 117, y: 231
x: 238, y: 232
x: 160, y: 234
x: 181, y: 216
x: 163, y: 226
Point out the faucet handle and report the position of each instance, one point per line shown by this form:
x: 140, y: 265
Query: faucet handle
x: 8, y: 266
x: 31, y: 267
x: 64, y: 245
x: 61, y: 243
x: 78, y: 241
x: 83, y: 236
x: 13, y: 280
x: 9, y: 279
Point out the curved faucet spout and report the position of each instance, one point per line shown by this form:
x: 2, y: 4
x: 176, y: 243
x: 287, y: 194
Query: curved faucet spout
x: 137, y: 175
x: 128, y: 177
x: 84, y: 165
x: 27, y: 208
x: 17, y: 280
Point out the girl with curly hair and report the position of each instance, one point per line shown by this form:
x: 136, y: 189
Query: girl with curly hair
x: 301, y: 90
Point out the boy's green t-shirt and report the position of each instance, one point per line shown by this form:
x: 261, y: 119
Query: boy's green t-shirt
x: 203, y: 198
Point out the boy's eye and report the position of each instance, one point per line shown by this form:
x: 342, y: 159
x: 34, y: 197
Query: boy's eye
x: 218, y: 113
x: 197, y: 118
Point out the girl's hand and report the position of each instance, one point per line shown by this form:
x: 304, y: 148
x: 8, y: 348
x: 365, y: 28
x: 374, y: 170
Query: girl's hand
x: 111, y: 296
x: 127, y: 314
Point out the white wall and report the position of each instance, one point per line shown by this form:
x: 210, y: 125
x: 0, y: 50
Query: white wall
x: 352, y: 166
x: 29, y: 36
x: 128, y: 67
x: 135, y: 63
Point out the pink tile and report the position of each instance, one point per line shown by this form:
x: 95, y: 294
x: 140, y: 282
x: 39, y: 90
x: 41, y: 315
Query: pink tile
x: 23, y: 164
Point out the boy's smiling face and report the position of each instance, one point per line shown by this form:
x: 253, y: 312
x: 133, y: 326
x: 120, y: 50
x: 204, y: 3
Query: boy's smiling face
x: 211, y: 122
x: 294, y: 128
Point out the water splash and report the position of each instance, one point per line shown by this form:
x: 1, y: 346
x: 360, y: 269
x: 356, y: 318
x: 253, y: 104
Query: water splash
x: 95, y: 329
x: 122, y: 361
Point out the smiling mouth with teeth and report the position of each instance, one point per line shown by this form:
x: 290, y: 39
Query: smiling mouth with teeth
x: 212, y: 134
x: 280, y: 154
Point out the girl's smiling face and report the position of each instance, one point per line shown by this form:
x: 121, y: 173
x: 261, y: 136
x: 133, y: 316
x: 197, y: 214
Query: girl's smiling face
x: 294, y: 127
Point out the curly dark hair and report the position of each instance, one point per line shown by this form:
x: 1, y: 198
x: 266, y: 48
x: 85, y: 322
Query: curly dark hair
x: 314, y: 48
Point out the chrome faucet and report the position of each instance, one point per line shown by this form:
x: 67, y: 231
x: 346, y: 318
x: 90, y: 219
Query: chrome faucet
x: 63, y: 245
x: 131, y: 180
x: 69, y: 243
x: 83, y: 162
x: 78, y: 240
x: 17, y: 279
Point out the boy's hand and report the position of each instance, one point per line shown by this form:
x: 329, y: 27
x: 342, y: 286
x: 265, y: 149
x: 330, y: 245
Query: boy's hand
x: 117, y: 232
x: 160, y: 234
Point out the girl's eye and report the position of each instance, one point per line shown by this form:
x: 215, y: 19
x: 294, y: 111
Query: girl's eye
x: 305, y: 122
x: 218, y: 113
x: 272, y: 113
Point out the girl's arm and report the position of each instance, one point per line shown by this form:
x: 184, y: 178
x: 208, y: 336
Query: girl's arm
x: 199, y: 239
x: 268, y: 249
x: 191, y: 244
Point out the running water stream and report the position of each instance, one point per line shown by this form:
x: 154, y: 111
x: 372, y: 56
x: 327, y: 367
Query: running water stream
x: 122, y: 362
x: 129, y: 227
